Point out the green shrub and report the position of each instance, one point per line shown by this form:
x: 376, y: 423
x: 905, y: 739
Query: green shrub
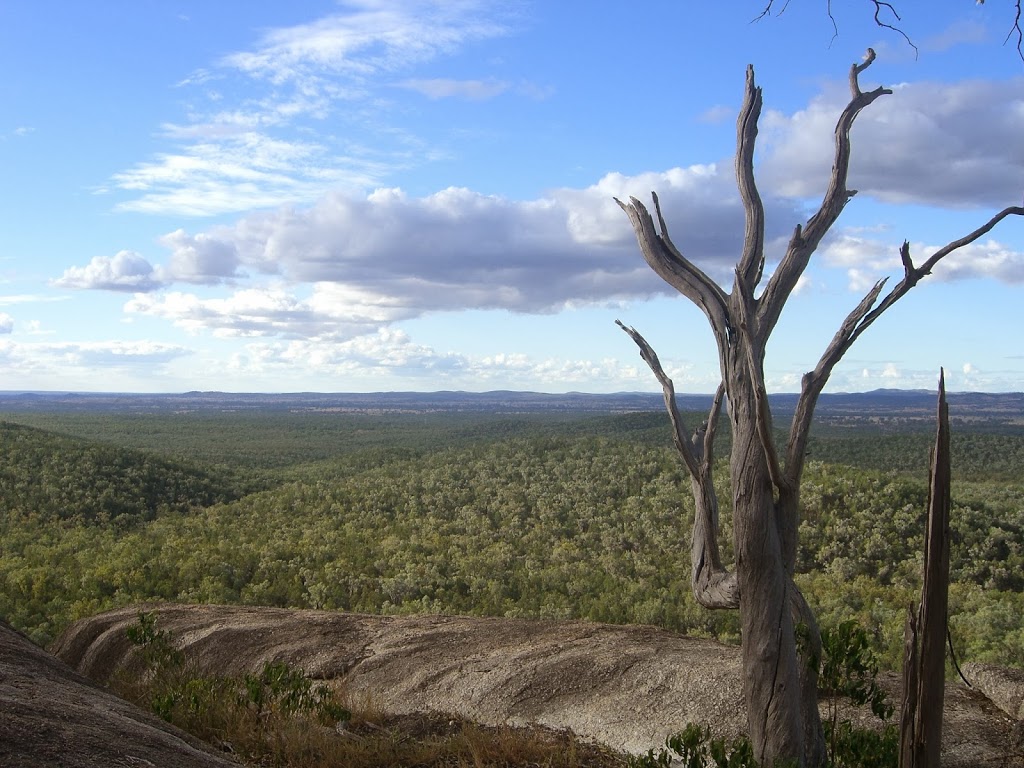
x: 849, y: 670
x: 176, y: 692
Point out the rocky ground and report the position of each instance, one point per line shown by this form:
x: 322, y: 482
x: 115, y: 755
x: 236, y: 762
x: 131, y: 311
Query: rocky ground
x: 52, y: 716
x: 625, y: 686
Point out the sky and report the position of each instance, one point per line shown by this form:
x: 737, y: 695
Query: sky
x: 418, y: 195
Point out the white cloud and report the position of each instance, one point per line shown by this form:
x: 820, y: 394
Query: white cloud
x: 199, y: 258
x: 390, y: 355
x: 125, y: 271
x: 330, y: 312
x: 370, y: 37
x: 867, y: 260
x: 444, y: 88
x: 988, y: 258
x: 951, y: 145
x: 388, y: 256
x: 17, y: 133
x: 6, y: 323
x: 27, y: 298
x: 85, y: 365
x: 238, y: 148
x: 237, y: 173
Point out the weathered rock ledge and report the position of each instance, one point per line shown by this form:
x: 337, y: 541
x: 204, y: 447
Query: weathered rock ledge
x: 625, y: 686
x: 50, y: 715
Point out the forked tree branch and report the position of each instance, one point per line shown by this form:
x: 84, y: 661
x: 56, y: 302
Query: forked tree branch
x: 859, y: 320
x: 713, y: 586
x: 806, y: 239
x: 668, y: 262
x: 881, y: 7
x: 1016, y: 28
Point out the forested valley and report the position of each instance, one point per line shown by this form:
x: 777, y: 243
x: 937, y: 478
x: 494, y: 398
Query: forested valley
x: 538, y: 515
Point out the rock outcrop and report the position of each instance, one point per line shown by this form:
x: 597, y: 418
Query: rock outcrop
x: 51, y: 715
x: 625, y: 686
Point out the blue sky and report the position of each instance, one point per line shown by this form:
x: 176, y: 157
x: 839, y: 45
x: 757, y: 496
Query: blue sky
x: 416, y: 195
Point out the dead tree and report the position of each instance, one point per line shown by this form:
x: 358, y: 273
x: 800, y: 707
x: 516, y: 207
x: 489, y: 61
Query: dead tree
x: 780, y: 683
x: 924, y: 662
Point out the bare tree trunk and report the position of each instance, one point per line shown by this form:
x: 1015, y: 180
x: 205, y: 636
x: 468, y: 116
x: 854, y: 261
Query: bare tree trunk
x: 779, y: 677
x: 924, y: 672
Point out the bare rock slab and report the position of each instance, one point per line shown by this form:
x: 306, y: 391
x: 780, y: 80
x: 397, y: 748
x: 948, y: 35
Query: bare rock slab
x: 624, y: 686
x: 51, y: 715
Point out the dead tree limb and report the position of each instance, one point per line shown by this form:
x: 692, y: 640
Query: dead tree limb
x: 713, y: 585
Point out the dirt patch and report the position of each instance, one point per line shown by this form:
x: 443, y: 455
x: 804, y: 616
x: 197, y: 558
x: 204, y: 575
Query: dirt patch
x: 623, y: 686
x: 51, y: 715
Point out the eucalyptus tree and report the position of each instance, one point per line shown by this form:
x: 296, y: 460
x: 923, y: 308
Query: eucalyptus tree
x: 780, y: 638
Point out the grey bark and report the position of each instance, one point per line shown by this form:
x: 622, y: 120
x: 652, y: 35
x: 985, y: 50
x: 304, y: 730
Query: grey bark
x: 780, y: 678
x: 924, y: 667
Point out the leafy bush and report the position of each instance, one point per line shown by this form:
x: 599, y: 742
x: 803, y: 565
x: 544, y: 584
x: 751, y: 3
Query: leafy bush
x: 243, y: 711
x: 849, y: 670
x: 693, y: 747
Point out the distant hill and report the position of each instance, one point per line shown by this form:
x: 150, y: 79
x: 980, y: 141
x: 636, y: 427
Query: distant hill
x: 903, y: 405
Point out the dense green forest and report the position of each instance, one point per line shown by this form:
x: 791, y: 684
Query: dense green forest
x: 557, y: 516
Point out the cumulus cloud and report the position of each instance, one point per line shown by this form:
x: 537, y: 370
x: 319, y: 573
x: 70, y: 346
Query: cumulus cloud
x: 330, y: 311
x: 983, y: 259
x: 390, y: 354
x: 125, y: 271
x: 946, y: 144
x: 6, y: 323
x: 85, y: 365
x: 371, y: 260
x: 199, y: 258
x: 459, y: 249
x: 867, y: 259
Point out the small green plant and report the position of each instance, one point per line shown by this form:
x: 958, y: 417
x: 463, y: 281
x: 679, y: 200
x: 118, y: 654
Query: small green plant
x: 849, y: 669
x: 693, y: 747
x: 179, y: 694
x: 279, y: 687
x: 157, y: 650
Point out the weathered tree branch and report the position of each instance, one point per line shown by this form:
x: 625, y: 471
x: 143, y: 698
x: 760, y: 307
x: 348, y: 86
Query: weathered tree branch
x: 669, y: 263
x: 710, y: 427
x: 751, y: 262
x: 859, y: 320
x: 924, y: 659
x: 713, y: 586
x: 814, y: 381
x: 806, y: 239
x: 744, y: 302
x: 880, y: 6
x: 1016, y: 28
x: 912, y: 275
x: 682, y: 441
